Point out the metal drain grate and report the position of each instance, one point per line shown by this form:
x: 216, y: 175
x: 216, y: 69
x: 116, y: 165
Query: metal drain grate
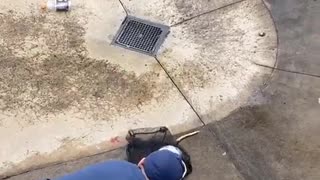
x: 141, y: 35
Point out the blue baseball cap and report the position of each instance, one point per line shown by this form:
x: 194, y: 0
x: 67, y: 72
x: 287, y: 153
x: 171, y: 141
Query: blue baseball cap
x: 164, y: 165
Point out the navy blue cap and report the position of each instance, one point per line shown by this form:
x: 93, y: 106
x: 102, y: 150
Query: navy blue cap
x: 164, y: 165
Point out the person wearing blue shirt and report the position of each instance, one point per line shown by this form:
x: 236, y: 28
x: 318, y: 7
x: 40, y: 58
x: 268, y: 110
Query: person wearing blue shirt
x: 164, y: 164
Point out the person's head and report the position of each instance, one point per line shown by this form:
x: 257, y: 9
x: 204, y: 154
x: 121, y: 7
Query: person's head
x: 163, y: 164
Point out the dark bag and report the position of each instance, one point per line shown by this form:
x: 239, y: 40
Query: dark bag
x: 144, y: 141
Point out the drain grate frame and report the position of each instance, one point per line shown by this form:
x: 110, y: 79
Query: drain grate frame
x: 141, y: 35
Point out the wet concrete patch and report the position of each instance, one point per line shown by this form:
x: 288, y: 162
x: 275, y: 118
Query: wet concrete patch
x: 279, y: 139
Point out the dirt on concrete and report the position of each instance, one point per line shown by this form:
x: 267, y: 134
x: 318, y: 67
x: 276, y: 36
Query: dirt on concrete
x: 45, y: 69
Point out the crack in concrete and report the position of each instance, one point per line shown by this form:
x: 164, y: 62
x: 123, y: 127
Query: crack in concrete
x: 288, y: 71
x: 124, y: 7
x: 180, y: 91
x: 202, y: 14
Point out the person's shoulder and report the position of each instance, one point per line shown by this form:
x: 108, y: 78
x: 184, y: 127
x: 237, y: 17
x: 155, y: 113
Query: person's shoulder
x: 122, y: 170
x: 116, y: 163
x: 112, y: 169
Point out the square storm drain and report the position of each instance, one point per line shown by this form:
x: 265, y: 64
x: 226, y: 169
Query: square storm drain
x: 141, y: 35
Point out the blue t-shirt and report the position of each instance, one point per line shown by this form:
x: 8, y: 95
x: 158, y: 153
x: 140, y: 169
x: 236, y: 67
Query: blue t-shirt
x: 109, y: 170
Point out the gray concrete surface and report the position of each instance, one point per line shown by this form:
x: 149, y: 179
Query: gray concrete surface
x: 210, y: 160
x: 298, y: 30
x: 276, y: 139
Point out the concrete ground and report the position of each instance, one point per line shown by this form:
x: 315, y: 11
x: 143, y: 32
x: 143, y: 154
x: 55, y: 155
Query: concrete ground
x: 67, y: 92
x: 261, y: 118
